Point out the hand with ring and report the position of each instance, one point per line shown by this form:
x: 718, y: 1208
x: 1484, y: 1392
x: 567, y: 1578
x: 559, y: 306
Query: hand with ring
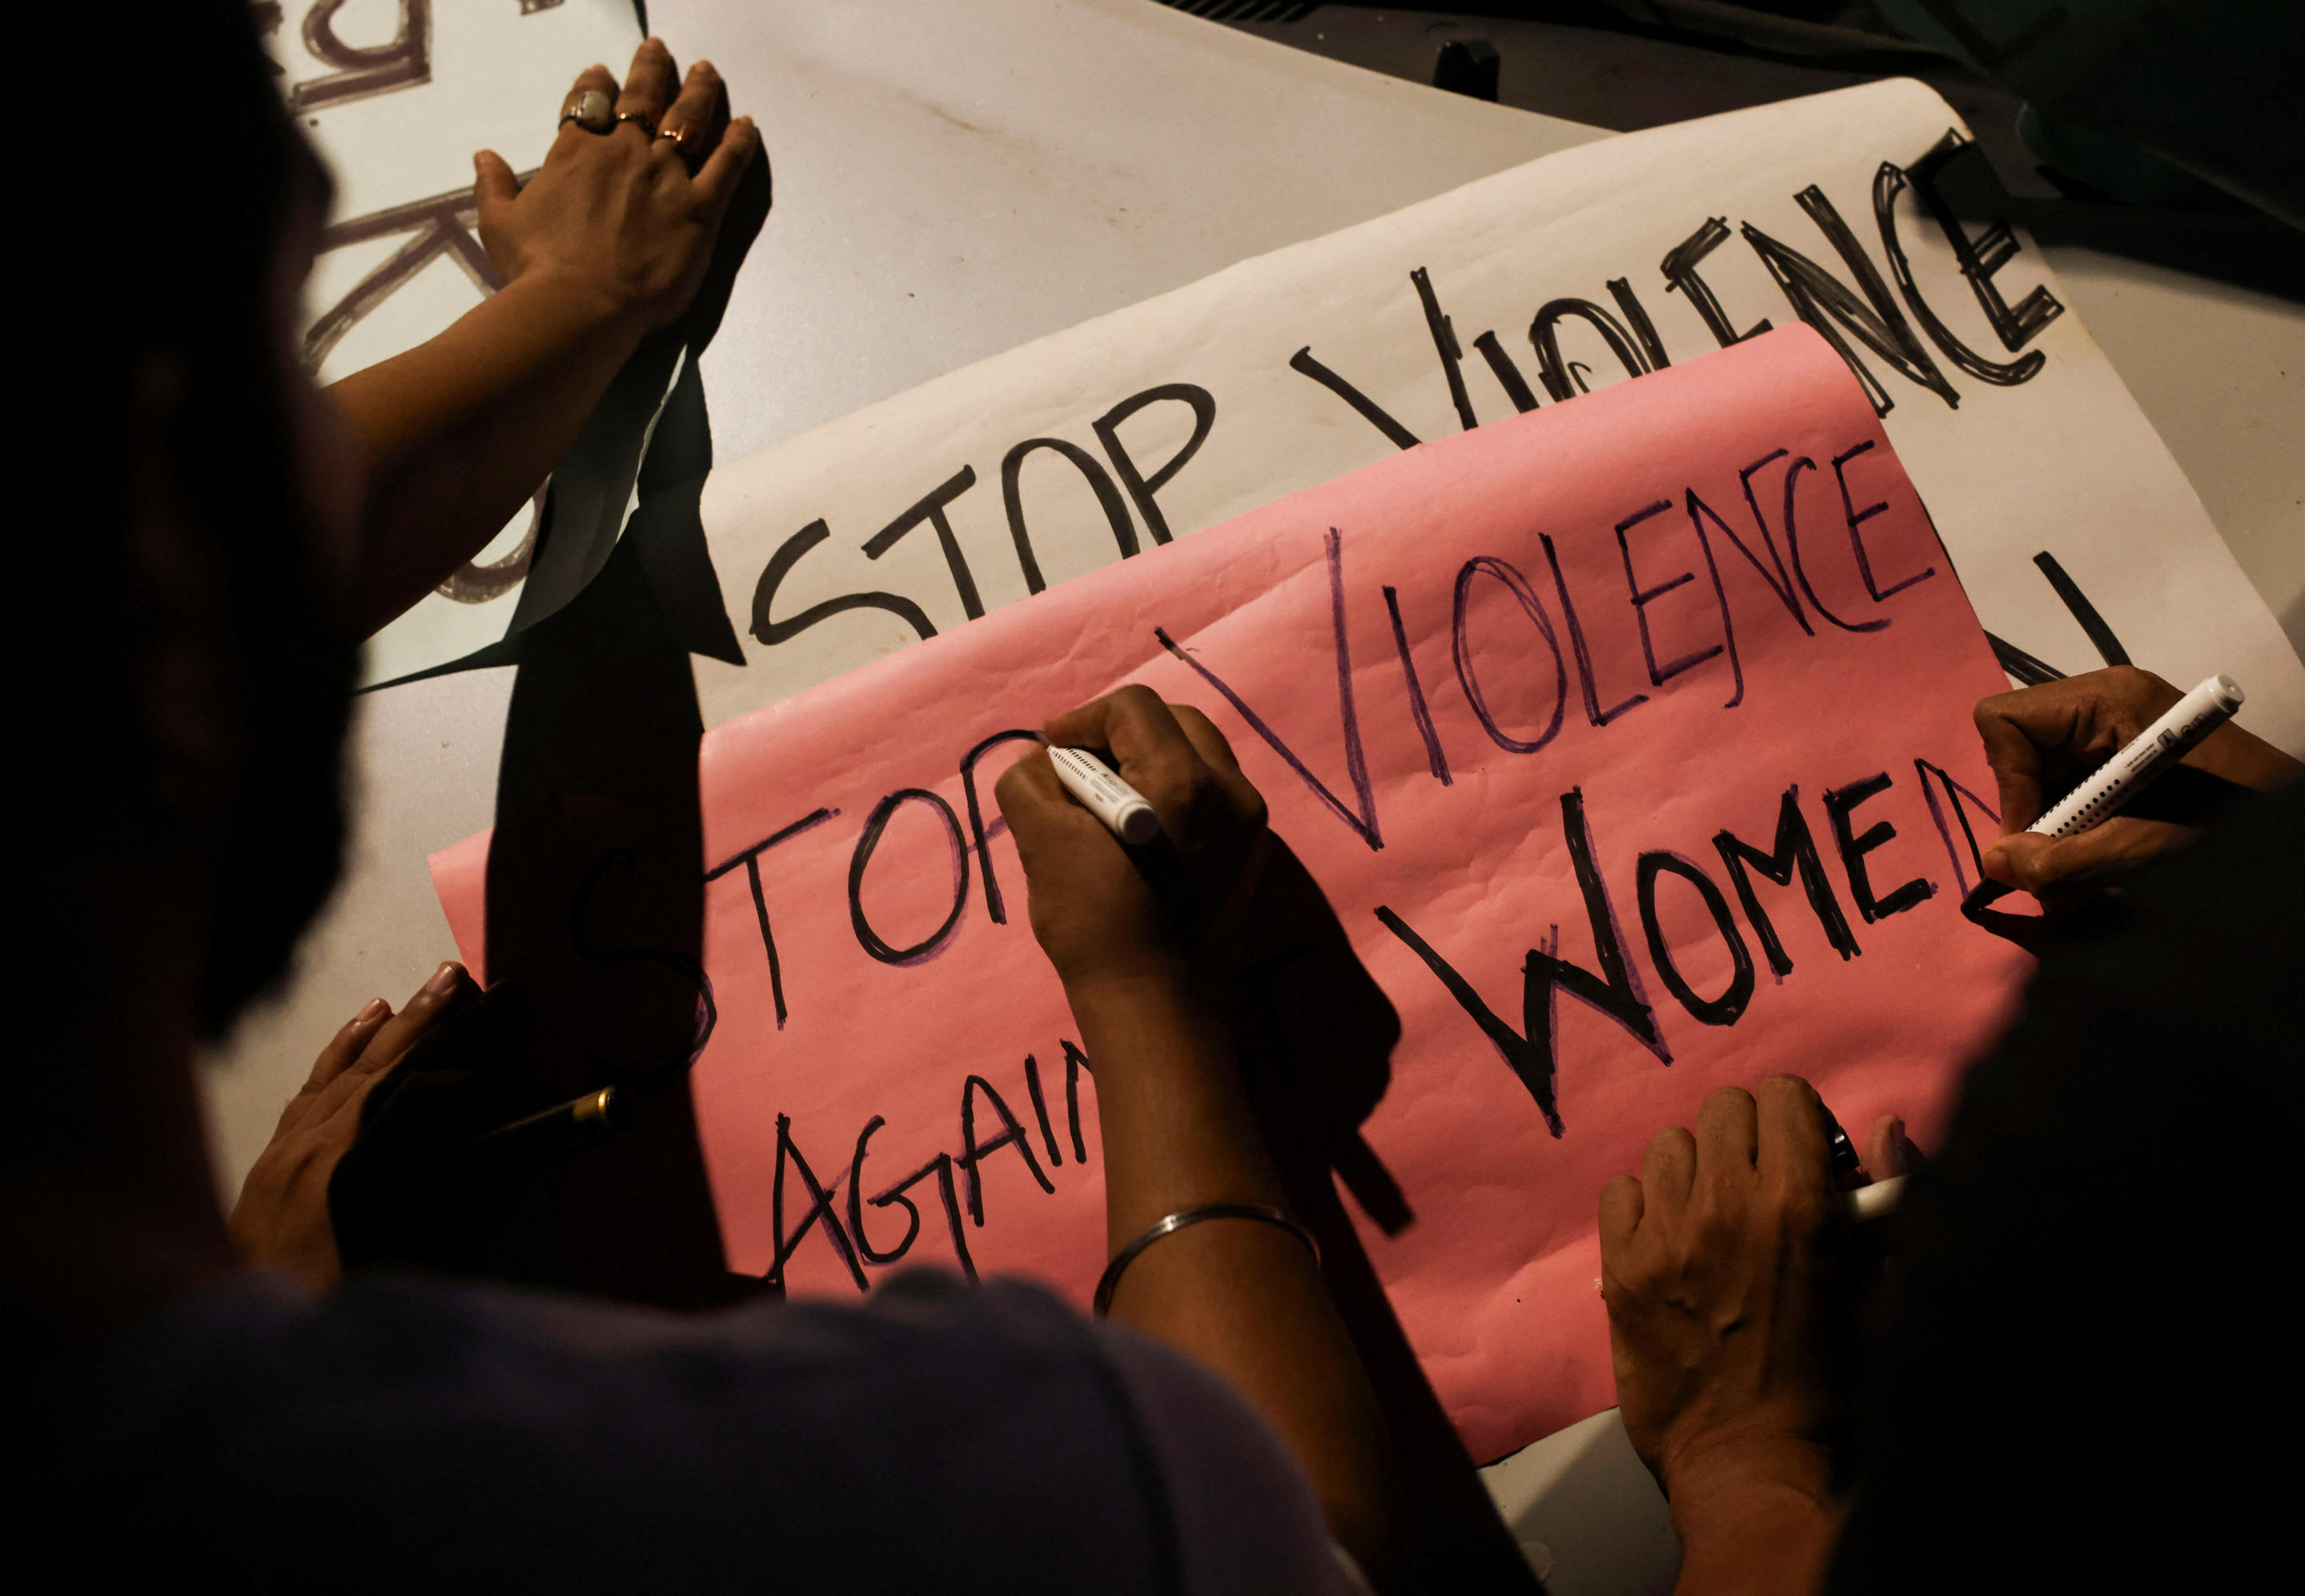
x: 629, y: 201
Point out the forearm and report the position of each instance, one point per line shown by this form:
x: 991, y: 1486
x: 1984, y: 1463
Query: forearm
x: 458, y: 432
x: 1245, y: 1299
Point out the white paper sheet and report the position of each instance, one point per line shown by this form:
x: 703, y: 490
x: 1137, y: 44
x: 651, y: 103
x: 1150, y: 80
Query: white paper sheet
x: 2062, y: 462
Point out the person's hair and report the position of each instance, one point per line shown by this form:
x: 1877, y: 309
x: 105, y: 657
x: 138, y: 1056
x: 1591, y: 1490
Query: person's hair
x: 183, y: 191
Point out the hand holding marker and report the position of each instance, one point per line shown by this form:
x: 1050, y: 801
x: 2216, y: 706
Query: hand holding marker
x: 2109, y: 788
x: 1121, y: 807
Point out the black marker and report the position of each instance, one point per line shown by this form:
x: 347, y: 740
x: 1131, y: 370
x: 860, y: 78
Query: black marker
x: 1844, y: 1151
x: 1867, y: 1201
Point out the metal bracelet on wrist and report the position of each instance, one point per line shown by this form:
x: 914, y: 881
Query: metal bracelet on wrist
x: 1264, y: 1213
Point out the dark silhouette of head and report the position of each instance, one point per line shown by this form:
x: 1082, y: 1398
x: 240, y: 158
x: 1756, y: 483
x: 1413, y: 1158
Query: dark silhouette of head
x: 199, y: 530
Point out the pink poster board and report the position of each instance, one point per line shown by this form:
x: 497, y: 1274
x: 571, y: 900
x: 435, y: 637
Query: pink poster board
x: 1642, y: 719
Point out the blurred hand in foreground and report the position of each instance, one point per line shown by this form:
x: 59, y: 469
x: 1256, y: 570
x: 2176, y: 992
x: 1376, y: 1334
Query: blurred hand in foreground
x: 1715, y: 1265
x: 281, y: 1221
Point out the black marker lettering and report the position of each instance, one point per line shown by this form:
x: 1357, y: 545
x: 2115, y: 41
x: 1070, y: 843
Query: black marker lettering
x: 1887, y: 185
x: 751, y: 860
x: 1827, y: 304
x: 870, y: 839
x: 982, y: 831
x: 707, y: 1011
x: 820, y: 1211
x: 895, y: 1195
x: 1142, y: 488
x: 1680, y: 269
x: 1362, y: 818
x: 1434, y: 760
x: 2100, y: 635
x: 940, y: 1166
x: 772, y: 632
x: 1698, y: 510
x: 1839, y: 804
x: 1366, y: 408
x: 1659, y: 674
x: 1724, y: 1009
x: 1794, y: 848
x: 973, y: 1152
x: 1802, y: 462
x: 1781, y: 583
x: 1526, y: 596
x: 1507, y: 375
x: 1636, y: 316
x: 1041, y: 1110
x: 1954, y: 794
x: 1614, y: 992
x: 1012, y: 499
x: 1593, y: 710
x: 1856, y: 518
x: 1545, y: 333
x: 1955, y: 163
x: 1444, y: 344
x: 1075, y: 1061
x: 931, y: 509
x: 2028, y: 669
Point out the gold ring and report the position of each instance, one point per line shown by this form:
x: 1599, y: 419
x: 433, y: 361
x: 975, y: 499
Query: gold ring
x: 647, y: 123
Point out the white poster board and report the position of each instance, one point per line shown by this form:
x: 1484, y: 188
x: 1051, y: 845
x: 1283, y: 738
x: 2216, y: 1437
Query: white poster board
x: 852, y: 539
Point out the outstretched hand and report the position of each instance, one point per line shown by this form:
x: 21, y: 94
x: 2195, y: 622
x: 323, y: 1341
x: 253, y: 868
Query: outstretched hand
x: 281, y: 1221
x: 627, y: 216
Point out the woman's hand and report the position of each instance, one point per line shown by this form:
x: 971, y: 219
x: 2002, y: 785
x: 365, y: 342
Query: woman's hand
x: 624, y: 220
x: 1713, y: 1272
x: 281, y: 1221
x: 2042, y: 740
x: 1168, y: 909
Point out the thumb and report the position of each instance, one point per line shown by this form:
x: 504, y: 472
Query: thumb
x: 2044, y: 866
x: 494, y: 186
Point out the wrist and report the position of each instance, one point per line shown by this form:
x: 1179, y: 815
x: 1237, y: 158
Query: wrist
x: 1155, y: 990
x: 576, y: 305
x: 1752, y: 1514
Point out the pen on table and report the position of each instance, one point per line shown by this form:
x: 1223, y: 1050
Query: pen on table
x: 556, y: 1132
x: 1121, y: 807
x: 2111, y: 786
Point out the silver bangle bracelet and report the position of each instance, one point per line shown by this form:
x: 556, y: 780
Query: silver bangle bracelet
x: 1262, y: 1213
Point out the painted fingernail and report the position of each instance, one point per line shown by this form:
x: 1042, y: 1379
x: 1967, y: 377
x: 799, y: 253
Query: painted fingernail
x: 444, y: 979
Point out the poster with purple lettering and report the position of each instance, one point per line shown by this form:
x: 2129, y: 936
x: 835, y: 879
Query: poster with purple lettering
x: 1628, y: 740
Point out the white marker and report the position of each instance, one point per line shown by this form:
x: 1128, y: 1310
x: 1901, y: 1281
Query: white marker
x: 1870, y: 1202
x: 1121, y: 807
x: 2156, y: 748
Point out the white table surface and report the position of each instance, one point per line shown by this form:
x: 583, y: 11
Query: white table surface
x: 955, y: 179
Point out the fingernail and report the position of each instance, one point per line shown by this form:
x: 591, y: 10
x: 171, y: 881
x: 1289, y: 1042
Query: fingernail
x: 443, y: 981
x: 373, y: 1010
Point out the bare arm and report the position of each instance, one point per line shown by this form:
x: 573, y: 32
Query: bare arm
x: 606, y: 244
x: 1244, y: 1298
